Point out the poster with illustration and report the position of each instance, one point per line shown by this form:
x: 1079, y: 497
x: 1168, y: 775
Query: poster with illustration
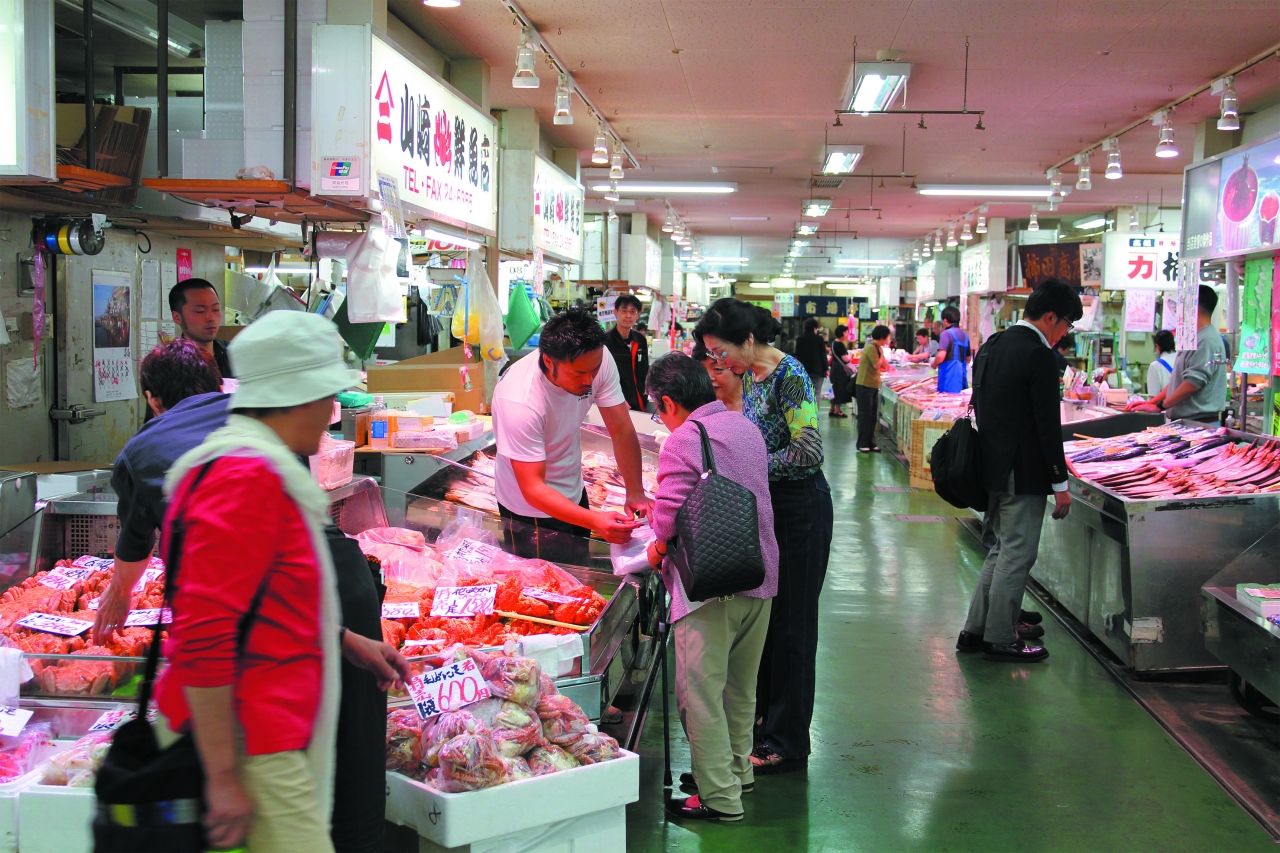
x: 1255, y: 316
x: 1249, y: 199
x: 112, y: 336
x: 1091, y: 264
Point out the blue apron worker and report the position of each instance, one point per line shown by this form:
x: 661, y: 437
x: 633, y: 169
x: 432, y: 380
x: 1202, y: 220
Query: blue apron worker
x: 952, y: 359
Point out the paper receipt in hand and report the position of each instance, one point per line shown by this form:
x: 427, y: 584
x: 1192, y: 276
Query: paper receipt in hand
x: 462, y: 601
x: 448, y: 688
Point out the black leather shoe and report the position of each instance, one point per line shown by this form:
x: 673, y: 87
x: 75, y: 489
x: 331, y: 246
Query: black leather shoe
x: 969, y: 642
x: 1027, y: 631
x: 692, y: 809
x: 1031, y: 617
x: 1018, y: 652
x: 690, y: 785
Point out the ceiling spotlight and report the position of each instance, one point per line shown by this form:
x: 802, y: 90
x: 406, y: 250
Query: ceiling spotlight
x: 670, y: 224
x: 1165, y: 148
x: 965, y: 234
x: 817, y: 207
x: 951, y: 238
x: 841, y: 159
x: 915, y: 255
x: 927, y: 251
x: 807, y: 228
x: 615, y: 162
x: 1083, y: 172
x: 612, y: 192
x: 982, y: 220
x: 564, y: 100
x: 526, y: 76
x: 1112, y: 147
x: 877, y: 84
x: 1034, y: 224
x: 1055, y: 183
x: 613, y: 214
x: 937, y: 240
x: 600, y: 154
x: 1133, y: 220
x: 1230, y: 119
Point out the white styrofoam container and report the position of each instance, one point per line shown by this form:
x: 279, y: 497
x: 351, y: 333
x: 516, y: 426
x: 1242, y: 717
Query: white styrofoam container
x: 54, y: 819
x: 213, y: 159
x: 273, y: 10
x: 73, y: 483
x: 598, y: 832
x: 451, y: 820
x: 9, y: 798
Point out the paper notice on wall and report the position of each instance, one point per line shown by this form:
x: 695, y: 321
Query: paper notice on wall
x: 1186, y: 333
x: 22, y: 383
x: 113, y: 336
x: 1139, y: 309
x: 151, y: 289
x: 168, y: 278
x: 149, y: 336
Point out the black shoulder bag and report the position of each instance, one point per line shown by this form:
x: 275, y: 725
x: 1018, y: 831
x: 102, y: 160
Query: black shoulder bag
x: 955, y: 462
x: 717, y: 547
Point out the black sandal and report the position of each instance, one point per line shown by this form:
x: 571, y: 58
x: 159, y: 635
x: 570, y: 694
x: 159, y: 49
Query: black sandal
x: 766, y: 762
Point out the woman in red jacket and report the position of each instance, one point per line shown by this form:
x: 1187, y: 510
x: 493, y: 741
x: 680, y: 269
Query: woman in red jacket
x: 253, y: 648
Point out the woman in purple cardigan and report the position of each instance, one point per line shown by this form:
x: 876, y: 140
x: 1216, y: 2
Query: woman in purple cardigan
x: 718, y: 642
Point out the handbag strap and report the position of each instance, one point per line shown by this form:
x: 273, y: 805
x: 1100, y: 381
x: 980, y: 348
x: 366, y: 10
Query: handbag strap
x: 708, y: 458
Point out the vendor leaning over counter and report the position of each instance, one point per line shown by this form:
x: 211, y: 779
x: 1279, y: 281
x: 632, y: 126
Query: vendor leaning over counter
x: 197, y: 311
x: 538, y: 410
x: 1197, y: 388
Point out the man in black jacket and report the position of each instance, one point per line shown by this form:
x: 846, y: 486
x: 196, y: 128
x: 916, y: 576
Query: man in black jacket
x: 630, y: 351
x: 811, y: 352
x: 1019, y: 422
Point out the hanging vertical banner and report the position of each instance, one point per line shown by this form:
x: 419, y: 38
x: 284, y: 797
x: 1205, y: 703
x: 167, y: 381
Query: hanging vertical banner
x: 186, y: 269
x: 112, y: 336
x: 1275, y: 319
x: 1139, y: 309
x: 1188, y: 306
x: 1255, y: 315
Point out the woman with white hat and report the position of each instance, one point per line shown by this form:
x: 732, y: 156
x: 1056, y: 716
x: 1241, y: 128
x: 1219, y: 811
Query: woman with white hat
x: 254, y: 644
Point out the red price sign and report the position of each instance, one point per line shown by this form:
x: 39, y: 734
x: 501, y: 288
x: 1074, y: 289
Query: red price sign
x: 448, y: 688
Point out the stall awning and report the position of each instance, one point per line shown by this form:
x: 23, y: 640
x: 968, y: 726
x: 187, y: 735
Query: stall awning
x: 273, y: 200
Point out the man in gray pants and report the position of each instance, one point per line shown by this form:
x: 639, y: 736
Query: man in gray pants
x: 1015, y: 398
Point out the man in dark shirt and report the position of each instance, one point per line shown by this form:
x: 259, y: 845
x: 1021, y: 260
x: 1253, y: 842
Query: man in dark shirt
x: 811, y: 352
x: 197, y: 311
x: 630, y: 351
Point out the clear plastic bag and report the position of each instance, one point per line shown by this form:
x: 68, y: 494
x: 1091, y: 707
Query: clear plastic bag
x: 550, y: 758
x: 478, y: 318
x: 77, y: 767
x: 592, y: 747
x: 19, y: 754
x: 404, y: 732
x: 468, y: 762
x: 445, y: 728
x: 373, y: 291
x: 562, y: 720
x: 515, y: 728
x: 513, y: 678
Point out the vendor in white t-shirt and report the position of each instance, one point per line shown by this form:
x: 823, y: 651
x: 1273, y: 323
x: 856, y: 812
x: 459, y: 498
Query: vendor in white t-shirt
x: 538, y: 409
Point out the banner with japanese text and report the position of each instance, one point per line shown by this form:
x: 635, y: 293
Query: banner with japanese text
x: 1049, y: 260
x: 1255, y: 316
x: 557, y: 211
x: 1187, y: 309
x: 1132, y: 260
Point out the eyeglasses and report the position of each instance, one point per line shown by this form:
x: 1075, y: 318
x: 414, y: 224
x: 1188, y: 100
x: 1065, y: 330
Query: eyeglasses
x: 717, y: 357
x: 656, y: 416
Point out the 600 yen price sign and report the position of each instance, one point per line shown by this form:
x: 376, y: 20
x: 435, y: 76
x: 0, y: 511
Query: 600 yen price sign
x: 448, y: 688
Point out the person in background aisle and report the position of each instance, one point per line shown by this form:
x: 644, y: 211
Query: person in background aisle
x: 255, y: 642
x: 811, y: 352
x: 841, y: 373
x: 1019, y: 422
x: 1063, y: 350
x: 1197, y: 387
x: 867, y: 386
x: 778, y: 398
x: 953, y: 354
x: 926, y: 347
x: 630, y: 351
x: 195, y: 308
x: 718, y: 642
x: 1160, y: 370
x: 728, y: 385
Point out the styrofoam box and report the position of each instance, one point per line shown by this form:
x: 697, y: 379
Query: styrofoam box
x: 451, y: 820
x: 9, y: 798
x: 598, y: 832
x: 262, y: 48
x: 273, y: 10
x: 264, y: 103
x: 54, y: 819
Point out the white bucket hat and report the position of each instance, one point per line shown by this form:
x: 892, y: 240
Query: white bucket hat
x: 288, y: 358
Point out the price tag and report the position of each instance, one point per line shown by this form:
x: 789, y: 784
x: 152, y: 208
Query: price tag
x: 1263, y: 592
x: 13, y: 720
x: 149, y: 575
x: 57, y: 580
x: 459, y: 601
x: 552, y: 597
x: 94, y: 564
x: 470, y: 551
x: 414, y: 644
x: 117, y: 717
x: 51, y: 624
x: 146, y: 618
x: 448, y: 688
x: 401, y: 610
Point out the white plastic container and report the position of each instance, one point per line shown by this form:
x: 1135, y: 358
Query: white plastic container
x: 56, y: 819
x: 9, y: 792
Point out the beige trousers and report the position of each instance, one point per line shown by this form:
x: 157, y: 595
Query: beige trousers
x: 718, y: 650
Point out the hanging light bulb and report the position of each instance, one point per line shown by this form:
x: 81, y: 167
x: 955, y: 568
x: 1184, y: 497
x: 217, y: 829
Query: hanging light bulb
x: 1083, y: 171
x: 927, y: 251
x: 1230, y: 119
x: 615, y: 162
x: 982, y: 220
x: 937, y: 240
x: 612, y: 193
x: 613, y: 214
x: 564, y: 100
x: 951, y: 238
x: 1055, y: 183
x: 915, y: 255
x: 1113, y: 171
x: 1034, y: 224
x: 1165, y: 148
x: 600, y: 154
x: 965, y: 234
x: 669, y: 225
x: 1133, y: 220
x: 526, y: 76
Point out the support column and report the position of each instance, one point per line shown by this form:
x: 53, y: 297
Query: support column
x: 162, y: 88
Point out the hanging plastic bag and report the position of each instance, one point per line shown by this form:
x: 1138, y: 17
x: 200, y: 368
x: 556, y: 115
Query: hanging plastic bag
x: 373, y: 291
x: 522, y: 316
x: 477, y: 318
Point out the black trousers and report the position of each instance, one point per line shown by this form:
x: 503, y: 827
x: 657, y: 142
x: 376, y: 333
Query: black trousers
x: 548, y: 538
x: 802, y: 522
x: 868, y: 412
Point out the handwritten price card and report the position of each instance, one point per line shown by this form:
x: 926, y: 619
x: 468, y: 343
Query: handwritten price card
x: 462, y: 601
x: 448, y: 688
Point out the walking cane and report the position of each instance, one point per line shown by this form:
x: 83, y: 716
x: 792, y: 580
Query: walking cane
x: 663, y: 628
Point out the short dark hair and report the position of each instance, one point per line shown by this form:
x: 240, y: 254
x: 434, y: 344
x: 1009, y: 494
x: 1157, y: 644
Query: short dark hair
x: 1054, y: 294
x: 178, y: 296
x: 679, y: 377
x: 570, y: 335
x: 810, y: 325
x: 951, y: 315
x: 841, y: 329
x: 879, y: 333
x: 1165, y: 341
x: 733, y: 320
x: 625, y: 300
x: 177, y: 370
x: 922, y: 332
x: 1208, y: 300
x: 1067, y: 341
x: 642, y: 326
x: 700, y: 352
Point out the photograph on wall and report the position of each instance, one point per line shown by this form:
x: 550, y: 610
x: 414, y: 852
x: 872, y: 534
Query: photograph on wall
x: 112, y: 337
x: 1249, y: 198
x: 1091, y: 264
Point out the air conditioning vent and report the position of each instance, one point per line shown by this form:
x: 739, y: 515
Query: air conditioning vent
x: 826, y: 183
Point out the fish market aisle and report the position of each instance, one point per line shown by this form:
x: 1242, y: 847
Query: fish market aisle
x: 917, y: 748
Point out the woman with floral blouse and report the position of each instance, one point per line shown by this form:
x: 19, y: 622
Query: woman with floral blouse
x: 778, y: 397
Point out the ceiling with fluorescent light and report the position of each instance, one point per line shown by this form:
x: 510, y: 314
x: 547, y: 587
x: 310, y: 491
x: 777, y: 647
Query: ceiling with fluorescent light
x: 698, y: 95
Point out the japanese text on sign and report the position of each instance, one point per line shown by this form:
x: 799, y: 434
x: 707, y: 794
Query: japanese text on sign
x: 544, y: 595
x: 448, y: 688
x: 458, y: 601
x: 401, y: 610
x: 13, y: 720
x: 94, y: 564
x: 147, y: 617
x: 148, y: 576
x: 117, y: 717
x: 471, y: 551
x: 51, y: 624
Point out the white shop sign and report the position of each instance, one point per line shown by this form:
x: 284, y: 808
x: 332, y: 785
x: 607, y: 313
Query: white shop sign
x: 557, y: 211
x: 26, y: 90
x: 1134, y: 260
x: 983, y: 267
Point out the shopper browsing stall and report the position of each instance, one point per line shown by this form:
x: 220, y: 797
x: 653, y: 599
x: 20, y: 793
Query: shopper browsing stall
x: 952, y: 358
x: 1162, y: 368
x: 539, y: 406
x: 630, y: 351
x: 926, y: 347
x: 727, y: 384
x: 1197, y: 387
x: 867, y: 386
x: 779, y: 399
x: 841, y: 373
x: 811, y: 352
x: 196, y: 309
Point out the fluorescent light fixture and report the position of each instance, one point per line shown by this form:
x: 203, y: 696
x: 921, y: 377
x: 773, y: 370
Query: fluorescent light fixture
x: 837, y: 278
x: 451, y: 239
x: 1091, y: 222
x: 672, y: 187
x: 280, y: 270
x: 784, y: 283
x: 748, y: 219
x: 806, y: 228
x: 981, y: 190
x: 867, y: 287
x: 760, y: 285
x: 726, y: 260
x: 876, y: 84
x: 442, y: 4
x: 817, y: 207
x: 841, y: 159
x: 866, y: 262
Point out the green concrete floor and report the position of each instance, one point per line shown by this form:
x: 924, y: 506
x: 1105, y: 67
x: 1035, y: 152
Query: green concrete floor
x: 916, y: 748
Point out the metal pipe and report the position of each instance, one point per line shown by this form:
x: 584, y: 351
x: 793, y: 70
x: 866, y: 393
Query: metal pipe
x: 162, y: 88
x: 90, y: 144
x: 290, y: 87
x: 604, y: 250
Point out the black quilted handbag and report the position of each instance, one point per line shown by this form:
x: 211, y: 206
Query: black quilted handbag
x: 717, y: 546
